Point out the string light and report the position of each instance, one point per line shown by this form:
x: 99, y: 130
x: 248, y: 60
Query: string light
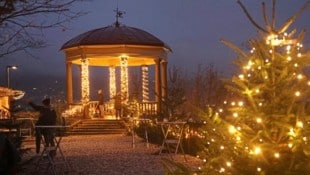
x: 290, y: 145
x: 145, y: 83
x: 259, y: 169
x: 228, y: 164
x: 277, y: 155
x: 299, y: 76
x: 124, y: 78
x: 235, y: 114
x: 232, y: 129
x: 259, y: 120
x: 299, y: 124
x: 222, y: 170
x: 85, y: 81
x: 241, y: 76
x: 112, y: 79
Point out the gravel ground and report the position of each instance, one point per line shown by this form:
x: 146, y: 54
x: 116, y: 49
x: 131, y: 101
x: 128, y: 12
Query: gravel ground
x: 107, y: 154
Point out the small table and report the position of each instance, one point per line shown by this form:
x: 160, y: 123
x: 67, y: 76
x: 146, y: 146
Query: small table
x: 47, y: 149
x: 140, y: 120
x: 26, y: 127
x: 167, y: 128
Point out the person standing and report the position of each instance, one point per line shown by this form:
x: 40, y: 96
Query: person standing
x: 118, y: 106
x: 100, y: 107
x: 47, y: 116
x: 9, y: 156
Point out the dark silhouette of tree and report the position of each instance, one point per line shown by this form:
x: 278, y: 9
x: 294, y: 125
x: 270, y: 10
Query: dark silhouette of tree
x: 22, y: 22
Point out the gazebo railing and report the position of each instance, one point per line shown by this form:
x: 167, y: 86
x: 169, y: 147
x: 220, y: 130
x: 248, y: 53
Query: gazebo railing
x: 91, y: 109
x: 148, y: 108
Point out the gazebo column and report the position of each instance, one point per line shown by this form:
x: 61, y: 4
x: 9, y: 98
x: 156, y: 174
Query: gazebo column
x: 145, y: 83
x: 164, y: 64
x: 124, y: 78
x: 158, y: 84
x: 112, y: 79
x: 84, y: 80
x: 69, y: 83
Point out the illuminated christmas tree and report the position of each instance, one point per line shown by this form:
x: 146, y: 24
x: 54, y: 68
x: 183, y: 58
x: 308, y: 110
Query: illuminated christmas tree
x: 265, y: 129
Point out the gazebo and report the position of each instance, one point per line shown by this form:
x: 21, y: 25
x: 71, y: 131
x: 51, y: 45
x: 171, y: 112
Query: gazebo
x: 119, y: 47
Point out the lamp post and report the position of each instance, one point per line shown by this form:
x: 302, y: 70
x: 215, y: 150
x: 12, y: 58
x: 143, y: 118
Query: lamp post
x: 8, y: 74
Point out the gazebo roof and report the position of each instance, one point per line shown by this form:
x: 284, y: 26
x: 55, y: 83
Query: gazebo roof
x: 115, y: 35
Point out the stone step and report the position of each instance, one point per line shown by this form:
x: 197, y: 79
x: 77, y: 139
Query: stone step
x: 98, y: 126
x: 93, y: 133
x: 97, y: 129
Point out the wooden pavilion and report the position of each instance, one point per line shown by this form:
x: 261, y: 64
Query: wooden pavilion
x: 118, y: 46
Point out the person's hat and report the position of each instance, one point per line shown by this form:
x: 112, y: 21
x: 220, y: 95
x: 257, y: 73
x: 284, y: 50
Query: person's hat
x: 46, y: 101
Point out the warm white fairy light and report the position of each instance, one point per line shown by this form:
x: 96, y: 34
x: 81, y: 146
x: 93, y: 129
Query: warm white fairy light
x: 145, y: 83
x: 253, y: 50
x: 85, y: 80
x: 288, y: 48
x: 297, y: 93
x: 292, y: 132
x: 256, y: 151
x: 290, y: 145
x: 304, y: 139
x: 289, y: 58
x: 235, y: 114
x: 238, y: 138
x: 277, y: 155
x: 124, y: 77
x: 259, y: 169
x: 228, y: 164
x: 259, y: 120
x: 241, y: 76
x: 278, y: 40
x: 72, y: 111
x: 299, y: 55
x: 232, y: 129
x: 112, y: 79
x: 240, y: 103
x: 222, y: 170
x: 299, y: 124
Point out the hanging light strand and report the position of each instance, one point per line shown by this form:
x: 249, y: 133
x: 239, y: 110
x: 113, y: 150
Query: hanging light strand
x: 145, y: 83
x: 124, y: 78
x: 112, y: 79
x: 85, y: 80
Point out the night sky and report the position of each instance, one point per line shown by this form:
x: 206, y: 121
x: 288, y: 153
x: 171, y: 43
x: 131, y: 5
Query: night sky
x: 192, y: 28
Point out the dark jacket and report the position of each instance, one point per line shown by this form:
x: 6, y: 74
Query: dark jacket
x: 47, y: 114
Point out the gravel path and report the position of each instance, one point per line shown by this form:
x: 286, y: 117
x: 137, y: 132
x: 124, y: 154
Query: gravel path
x: 108, y: 154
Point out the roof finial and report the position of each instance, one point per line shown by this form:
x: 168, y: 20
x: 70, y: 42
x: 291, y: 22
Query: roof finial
x: 119, y: 14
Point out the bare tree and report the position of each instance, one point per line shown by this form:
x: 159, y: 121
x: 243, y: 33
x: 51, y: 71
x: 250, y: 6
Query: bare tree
x: 207, y: 89
x: 22, y: 22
